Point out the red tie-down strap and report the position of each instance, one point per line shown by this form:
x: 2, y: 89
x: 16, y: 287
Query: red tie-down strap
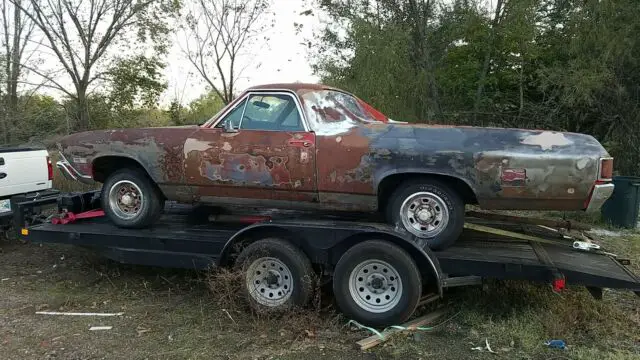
x: 69, y: 217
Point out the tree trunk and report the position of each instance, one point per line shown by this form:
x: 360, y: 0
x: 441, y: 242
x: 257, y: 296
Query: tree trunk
x: 420, y: 13
x: 82, y: 110
x: 487, y: 62
x: 12, y: 72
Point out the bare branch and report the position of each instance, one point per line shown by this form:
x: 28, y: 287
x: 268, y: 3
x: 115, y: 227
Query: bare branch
x: 221, y: 29
x: 79, y: 32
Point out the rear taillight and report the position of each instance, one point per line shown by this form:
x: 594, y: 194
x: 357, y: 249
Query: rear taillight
x: 606, y: 169
x: 49, y: 168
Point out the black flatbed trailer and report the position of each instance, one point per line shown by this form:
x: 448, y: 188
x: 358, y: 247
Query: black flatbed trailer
x: 185, y: 238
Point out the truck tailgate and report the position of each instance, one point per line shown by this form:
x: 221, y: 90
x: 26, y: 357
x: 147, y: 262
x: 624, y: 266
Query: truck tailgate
x: 23, y: 170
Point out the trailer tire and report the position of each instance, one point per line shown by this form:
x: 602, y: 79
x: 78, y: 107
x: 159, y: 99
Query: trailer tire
x: 277, y: 276
x: 377, y: 283
x: 144, y: 201
x: 428, y: 209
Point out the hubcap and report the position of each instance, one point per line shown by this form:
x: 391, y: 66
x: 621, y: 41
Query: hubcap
x: 269, y: 281
x: 375, y: 286
x: 424, y: 214
x: 126, y: 199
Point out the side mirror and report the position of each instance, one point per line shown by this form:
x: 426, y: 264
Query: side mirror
x: 228, y: 126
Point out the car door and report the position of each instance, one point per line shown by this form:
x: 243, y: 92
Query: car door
x: 261, y: 149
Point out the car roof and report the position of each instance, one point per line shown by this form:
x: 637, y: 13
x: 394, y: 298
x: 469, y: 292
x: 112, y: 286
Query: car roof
x: 293, y: 87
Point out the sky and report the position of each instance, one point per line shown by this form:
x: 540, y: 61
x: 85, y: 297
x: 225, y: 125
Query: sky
x: 283, y: 58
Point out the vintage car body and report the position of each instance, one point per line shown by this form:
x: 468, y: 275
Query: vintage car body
x: 347, y: 158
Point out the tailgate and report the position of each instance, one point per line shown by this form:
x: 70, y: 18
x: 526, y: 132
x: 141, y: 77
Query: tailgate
x: 23, y: 171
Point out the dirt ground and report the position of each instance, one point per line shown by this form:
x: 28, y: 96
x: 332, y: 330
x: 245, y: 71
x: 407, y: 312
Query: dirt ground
x: 173, y: 314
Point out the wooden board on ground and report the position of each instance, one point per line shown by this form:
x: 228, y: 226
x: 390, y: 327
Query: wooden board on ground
x: 374, y: 340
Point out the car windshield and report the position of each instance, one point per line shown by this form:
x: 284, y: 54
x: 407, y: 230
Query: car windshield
x: 330, y: 106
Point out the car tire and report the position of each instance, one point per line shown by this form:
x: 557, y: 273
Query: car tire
x: 377, y: 283
x: 277, y: 276
x: 130, y: 199
x: 427, y: 209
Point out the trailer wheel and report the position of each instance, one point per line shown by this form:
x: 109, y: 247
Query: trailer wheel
x: 277, y: 275
x: 377, y: 283
x: 130, y: 200
x: 428, y: 209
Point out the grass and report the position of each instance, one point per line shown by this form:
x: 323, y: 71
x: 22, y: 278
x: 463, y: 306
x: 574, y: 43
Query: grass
x: 174, y: 314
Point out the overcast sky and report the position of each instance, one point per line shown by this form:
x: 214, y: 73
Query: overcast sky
x: 283, y: 58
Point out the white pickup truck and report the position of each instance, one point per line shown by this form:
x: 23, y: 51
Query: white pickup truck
x: 24, y: 170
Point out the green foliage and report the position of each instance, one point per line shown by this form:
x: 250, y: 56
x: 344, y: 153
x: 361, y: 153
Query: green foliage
x: 39, y: 118
x: 568, y: 65
x: 136, y: 81
x: 197, y: 112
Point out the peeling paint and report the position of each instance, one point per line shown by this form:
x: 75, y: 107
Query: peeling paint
x: 195, y: 145
x: 582, y: 163
x: 546, y: 140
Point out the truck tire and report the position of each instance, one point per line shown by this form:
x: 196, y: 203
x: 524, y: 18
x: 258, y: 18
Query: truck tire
x: 427, y: 209
x: 277, y: 275
x: 377, y: 283
x: 130, y: 199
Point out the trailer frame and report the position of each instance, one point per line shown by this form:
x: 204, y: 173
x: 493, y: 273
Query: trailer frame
x: 186, y: 237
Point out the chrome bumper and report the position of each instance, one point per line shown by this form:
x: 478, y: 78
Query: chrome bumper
x: 600, y: 194
x: 71, y: 174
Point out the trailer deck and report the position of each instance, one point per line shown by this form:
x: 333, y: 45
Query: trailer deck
x: 184, y: 238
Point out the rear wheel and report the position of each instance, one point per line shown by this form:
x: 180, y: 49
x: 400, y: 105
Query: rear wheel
x: 377, y: 283
x: 130, y: 199
x: 277, y: 275
x: 428, y: 209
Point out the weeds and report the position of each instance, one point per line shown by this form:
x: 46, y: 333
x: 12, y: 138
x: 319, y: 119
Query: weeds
x: 226, y: 286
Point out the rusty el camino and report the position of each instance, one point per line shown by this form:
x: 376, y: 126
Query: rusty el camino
x: 307, y: 146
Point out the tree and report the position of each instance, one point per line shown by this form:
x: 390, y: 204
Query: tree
x: 80, y: 34
x: 217, y: 32
x: 17, y: 32
x: 135, y: 81
x: 490, y: 44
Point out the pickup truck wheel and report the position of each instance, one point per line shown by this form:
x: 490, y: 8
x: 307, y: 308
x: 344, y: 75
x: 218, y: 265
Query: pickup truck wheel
x: 429, y: 210
x: 277, y: 275
x: 377, y: 283
x: 130, y: 200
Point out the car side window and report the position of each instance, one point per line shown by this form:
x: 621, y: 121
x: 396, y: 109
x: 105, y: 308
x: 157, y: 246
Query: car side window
x: 234, y: 116
x: 275, y: 112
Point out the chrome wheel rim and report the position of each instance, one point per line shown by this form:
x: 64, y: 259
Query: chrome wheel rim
x: 126, y: 199
x: 375, y: 286
x: 424, y: 214
x: 269, y: 281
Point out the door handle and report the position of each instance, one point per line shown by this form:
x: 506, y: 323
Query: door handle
x: 298, y: 143
x: 3, y: 175
x: 1, y: 161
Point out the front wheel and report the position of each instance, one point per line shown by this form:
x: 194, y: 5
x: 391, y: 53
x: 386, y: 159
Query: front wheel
x: 428, y: 209
x: 377, y: 283
x: 130, y: 199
